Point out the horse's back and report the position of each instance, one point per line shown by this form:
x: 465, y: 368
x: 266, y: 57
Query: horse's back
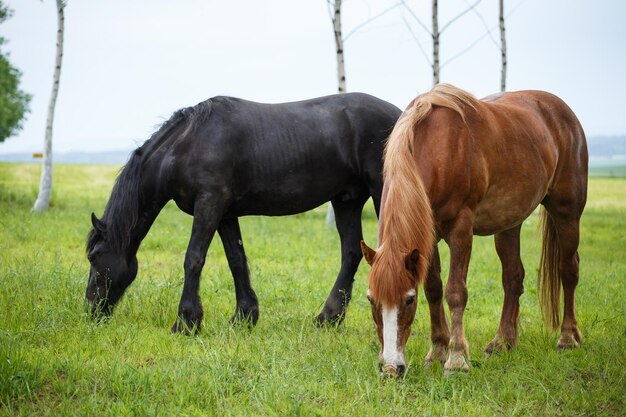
x: 548, y: 124
x: 287, y: 158
x: 536, y: 147
x: 503, y: 158
x: 541, y: 111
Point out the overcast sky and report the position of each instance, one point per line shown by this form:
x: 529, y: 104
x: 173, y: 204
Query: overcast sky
x: 129, y: 64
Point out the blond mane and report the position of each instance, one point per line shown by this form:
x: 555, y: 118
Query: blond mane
x: 406, y: 218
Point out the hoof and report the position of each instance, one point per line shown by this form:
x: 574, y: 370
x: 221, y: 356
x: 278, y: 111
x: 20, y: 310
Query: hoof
x: 248, y: 317
x: 456, y: 363
x: 188, y: 329
x: 428, y: 364
x: 497, y: 345
x: 334, y: 310
x: 324, y: 319
x: 569, y: 340
x: 436, y: 353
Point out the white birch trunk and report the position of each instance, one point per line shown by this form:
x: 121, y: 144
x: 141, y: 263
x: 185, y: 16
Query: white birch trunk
x: 45, y: 187
x: 435, y: 45
x: 502, y: 48
x: 341, y: 71
x: 341, y: 77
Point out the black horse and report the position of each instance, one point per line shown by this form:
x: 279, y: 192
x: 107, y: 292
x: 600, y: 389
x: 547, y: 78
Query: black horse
x: 227, y: 157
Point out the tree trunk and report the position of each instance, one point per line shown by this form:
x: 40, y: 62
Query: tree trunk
x: 341, y: 77
x: 341, y: 71
x: 435, y: 45
x: 45, y: 187
x: 502, y: 48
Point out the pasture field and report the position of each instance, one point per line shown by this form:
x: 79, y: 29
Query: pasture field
x: 55, y: 361
x: 610, y: 171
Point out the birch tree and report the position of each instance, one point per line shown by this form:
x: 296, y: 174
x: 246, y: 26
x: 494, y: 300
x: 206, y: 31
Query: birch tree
x: 502, y: 48
x: 45, y: 186
x: 435, y: 35
x: 335, y: 18
x: 341, y: 70
x: 341, y: 73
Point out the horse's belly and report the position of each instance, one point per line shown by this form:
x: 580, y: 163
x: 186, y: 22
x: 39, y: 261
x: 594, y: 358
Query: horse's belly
x: 500, y: 212
x: 285, y: 200
x: 267, y: 206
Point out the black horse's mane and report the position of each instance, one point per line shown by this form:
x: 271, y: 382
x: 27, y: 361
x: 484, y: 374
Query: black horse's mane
x: 121, y: 213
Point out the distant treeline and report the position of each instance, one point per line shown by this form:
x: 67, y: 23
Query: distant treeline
x: 606, y: 153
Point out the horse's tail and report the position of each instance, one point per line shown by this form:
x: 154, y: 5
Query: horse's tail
x: 549, y: 280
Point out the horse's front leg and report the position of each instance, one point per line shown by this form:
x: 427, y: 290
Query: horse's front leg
x: 460, y: 242
x: 439, y: 332
x: 207, y: 215
x: 247, y: 309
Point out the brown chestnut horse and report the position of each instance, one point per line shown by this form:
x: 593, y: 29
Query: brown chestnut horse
x: 455, y: 167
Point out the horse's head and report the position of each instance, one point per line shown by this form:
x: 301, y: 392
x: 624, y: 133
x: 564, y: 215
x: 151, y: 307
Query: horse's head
x: 392, y: 295
x: 111, y: 271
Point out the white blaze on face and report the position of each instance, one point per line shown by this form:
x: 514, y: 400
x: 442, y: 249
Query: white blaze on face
x: 391, y: 356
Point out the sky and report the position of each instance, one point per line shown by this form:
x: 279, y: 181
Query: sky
x: 128, y: 65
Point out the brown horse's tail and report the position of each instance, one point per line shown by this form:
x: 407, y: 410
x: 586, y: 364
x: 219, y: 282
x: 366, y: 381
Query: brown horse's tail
x: 549, y: 280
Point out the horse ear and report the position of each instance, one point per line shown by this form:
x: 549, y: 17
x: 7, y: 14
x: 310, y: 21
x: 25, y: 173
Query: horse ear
x: 411, y: 261
x: 368, y: 253
x: 98, y: 225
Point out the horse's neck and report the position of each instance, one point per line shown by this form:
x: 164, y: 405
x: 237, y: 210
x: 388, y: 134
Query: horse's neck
x: 146, y: 213
x: 147, y: 216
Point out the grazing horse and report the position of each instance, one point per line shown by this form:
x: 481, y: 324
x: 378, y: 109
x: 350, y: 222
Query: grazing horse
x: 227, y: 157
x: 455, y: 167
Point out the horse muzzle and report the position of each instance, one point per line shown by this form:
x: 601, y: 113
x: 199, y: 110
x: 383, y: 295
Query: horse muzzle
x: 98, y: 308
x: 393, y: 370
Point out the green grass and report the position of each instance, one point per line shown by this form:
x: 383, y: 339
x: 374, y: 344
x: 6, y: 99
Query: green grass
x: 608, y: 171
x: 55, y: 361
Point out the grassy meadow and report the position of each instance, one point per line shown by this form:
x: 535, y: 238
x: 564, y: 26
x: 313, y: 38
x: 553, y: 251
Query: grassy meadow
x: 608, y: 171
x: 55, y: 361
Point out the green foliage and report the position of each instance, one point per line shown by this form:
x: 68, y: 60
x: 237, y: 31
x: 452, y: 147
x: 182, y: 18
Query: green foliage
x: 55, y: 361
x: 13, y: 101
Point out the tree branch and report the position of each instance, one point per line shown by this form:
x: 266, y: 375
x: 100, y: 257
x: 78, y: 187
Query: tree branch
x: 464, y: 51
x: 370, y: 20
x: 417, y: 19
x: 514, y: 9
x: 485, y: 25
x: 419, y: 45
x: 458, y: 16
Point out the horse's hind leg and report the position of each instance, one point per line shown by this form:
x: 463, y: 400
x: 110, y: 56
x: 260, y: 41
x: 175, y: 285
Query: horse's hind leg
x: 508, y: 249
x: 568, y: 238
x: 247, y: 309
x: 348, y: 221
x: 564, y: 205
